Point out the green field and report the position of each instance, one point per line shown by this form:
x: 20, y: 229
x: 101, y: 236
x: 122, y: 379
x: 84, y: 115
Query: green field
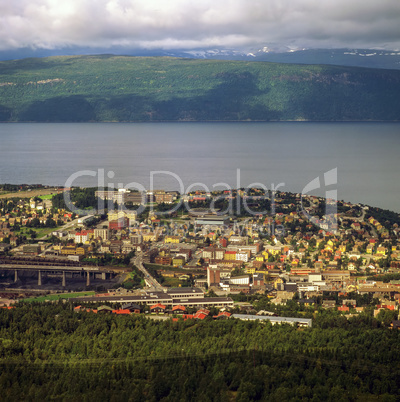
x: 47, y: 197
x: 121, y: 88
x: 40, y: 232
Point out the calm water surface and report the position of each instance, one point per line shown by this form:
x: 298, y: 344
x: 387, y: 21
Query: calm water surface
x: 365, y: 154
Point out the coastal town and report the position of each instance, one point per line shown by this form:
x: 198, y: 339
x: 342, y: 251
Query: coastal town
x: 187, y: 254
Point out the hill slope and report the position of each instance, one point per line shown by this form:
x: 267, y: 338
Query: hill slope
x: 118, y: 88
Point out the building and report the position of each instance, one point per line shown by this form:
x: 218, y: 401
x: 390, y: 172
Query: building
x: 121, y: 196
x: 258, y: 280
x: 239, y: 240
x: 240, y: 280
x: 136, y: 239
x: 163, y: 260
x: 213, y: 276
x: 243, y: 256
x: 178, y: 261
x: 119, y: 224
x: 185, y: 293
x: 212, y: 220
x: 172, y: 239
x: 122, y: 213
x: 158, y: 308
x: 103, y: 234
x: 301, y: 322
x: 174, y: 297
x: 73, y: 250
x: 83, y: 236
x: 135, y: 198
x: 31, y: 249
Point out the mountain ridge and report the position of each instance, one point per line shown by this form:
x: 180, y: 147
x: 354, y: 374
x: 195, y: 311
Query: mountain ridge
x: 125, y: 88
x: 371, y: 58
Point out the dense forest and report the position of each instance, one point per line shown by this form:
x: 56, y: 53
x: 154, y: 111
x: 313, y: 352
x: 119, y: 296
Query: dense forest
x: 118, y: 88
x: 51, y: 352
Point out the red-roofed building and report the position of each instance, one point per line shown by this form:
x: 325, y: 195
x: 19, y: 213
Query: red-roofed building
x: 178, y: 310
x: 222, y: 315
x: 83, y: 236
x: 200, y: 316
x: 203, y: 311
x: 119, y: 224
x: 157, y: 308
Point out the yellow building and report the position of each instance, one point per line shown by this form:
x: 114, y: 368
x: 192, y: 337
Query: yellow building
x: 150, y: 236
x: 230, y: 255
x: 72, y: 250
x: 171, y: 239
x: 370, y: 248
x: 178, y: 261
x: 274, y: 251
x: 381, y: 251
x: 277, y: 281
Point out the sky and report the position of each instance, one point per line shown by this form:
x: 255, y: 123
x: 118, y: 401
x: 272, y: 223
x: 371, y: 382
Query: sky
x: 54, y: 25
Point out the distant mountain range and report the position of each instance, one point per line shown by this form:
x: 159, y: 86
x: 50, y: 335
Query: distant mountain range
x: 371, y: 58
x: 123, y: 88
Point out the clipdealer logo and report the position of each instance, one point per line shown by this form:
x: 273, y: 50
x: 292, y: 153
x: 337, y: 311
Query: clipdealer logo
x: 329, y: 180
x: 330, y: 217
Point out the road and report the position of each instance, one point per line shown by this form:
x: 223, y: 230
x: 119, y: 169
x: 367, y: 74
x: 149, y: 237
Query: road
x: 150, y: 281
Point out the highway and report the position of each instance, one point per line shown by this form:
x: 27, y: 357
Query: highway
x: 150, y: 281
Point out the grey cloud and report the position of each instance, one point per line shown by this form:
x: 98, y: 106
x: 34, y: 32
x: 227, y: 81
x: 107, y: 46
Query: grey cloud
x: 201, y: 23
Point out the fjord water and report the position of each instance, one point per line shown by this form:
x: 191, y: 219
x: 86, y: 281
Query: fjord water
x: 366, y: 156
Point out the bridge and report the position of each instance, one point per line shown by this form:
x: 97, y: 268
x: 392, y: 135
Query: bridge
x: 43, y: 268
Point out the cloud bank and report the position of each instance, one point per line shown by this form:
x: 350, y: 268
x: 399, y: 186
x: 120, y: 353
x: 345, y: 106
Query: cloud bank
x: 188, y: 24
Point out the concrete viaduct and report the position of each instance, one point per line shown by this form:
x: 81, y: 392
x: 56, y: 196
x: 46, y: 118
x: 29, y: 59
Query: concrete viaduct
x: 63, y: 272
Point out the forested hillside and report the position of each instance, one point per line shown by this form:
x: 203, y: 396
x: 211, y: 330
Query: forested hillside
x: 51, y: 352
x: 118, y: 88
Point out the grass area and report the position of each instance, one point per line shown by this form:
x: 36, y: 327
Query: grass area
x: 47, y: 196
x: 44, y: 231
x: 167, y: 268
x: 29, y: 194
x: 174, y: 283
x: 40, y: 232
x: 60, y: 296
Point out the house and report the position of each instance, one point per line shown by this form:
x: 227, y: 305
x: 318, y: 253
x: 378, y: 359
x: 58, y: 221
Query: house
x: 381, y: 251
x: 350, y: 302
x: 104, y: 309
x: 222, y: 315
x: 133, y: 308
x: 203, y: 311
x: 328, y: 303
x: 121, y: 311
x: 200, y: 316
x: 178, y: 310
x: 157, y: 308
